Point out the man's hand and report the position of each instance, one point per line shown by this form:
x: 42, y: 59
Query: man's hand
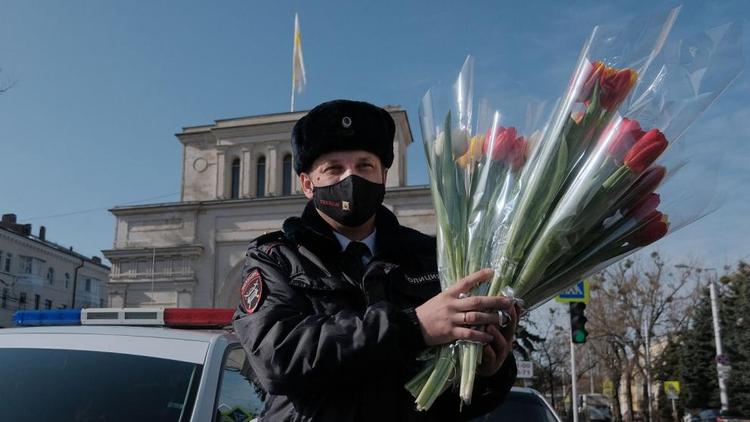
x: 494, y: 353
x: 448, y: 317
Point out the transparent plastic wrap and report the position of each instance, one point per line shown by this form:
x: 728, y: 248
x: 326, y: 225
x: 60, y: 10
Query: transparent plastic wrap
x: 574, y: 191
x: 672, y: 206
x: 623, y: 169
x: 607, y: 71
x: 474, y: 164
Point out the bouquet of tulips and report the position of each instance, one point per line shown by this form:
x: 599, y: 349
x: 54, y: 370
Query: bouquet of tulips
x: 569, y: 197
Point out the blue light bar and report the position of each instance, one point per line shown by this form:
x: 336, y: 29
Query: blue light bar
x: 50, y: 317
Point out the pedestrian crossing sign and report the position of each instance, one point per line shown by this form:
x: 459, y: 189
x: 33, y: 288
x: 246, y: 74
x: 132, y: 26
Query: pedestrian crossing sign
x: 672, y: 388
x: 576, y: 293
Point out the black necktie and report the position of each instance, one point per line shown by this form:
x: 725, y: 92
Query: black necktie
x: 351, y: 262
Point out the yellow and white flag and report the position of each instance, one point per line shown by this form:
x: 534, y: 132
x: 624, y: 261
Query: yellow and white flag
x: 298, y: 67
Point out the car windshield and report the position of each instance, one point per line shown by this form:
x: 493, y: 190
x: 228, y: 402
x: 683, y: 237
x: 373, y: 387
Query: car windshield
x: 83, y: 386
x: 520, y: 406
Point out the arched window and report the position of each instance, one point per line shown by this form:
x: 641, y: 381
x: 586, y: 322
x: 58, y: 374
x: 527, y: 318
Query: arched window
x: 260, y: 178
x: 286, y: 178
x: 236, y: 178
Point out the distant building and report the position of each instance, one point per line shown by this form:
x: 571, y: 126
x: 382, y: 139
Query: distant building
x: 639, y: 385
x: 38, y: 274
x: 237, y: 183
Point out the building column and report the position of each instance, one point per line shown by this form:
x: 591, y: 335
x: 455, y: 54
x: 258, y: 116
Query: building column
x: 220, y: 175
x: 116, y: 299
x: 272, y: 185
x: 397, y: 172
x: 245, y: 174
x: 184, y: 298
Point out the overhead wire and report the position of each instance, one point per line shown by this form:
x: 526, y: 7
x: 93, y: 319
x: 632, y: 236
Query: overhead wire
x: 88, y: 210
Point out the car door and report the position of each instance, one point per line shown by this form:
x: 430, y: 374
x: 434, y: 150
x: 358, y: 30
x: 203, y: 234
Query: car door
x: 238, y: 398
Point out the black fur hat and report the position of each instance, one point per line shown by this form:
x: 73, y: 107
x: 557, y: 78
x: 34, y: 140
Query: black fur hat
x: 342, y: 125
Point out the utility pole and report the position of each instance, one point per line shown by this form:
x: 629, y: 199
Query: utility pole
x: 722, y: 369
x: 578, y: 335
x: 722, y: 361
x: 573, y: 388
x: 647, y: 335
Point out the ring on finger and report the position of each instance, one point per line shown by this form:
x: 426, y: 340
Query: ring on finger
x: 505, y: 318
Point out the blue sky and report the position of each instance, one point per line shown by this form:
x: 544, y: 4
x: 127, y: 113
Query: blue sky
x: 102, y: 86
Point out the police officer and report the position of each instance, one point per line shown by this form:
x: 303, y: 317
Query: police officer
x: 336, y: 308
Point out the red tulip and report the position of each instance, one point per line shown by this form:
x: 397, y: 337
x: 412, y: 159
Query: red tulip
x: 500, y: 144
x: 646, y: 151
x: 517, y: 156
x: 615, y: 85
x: 649, y: 180
x: 627, y: 133
x: 592, y: 71
x: 651, y: 231
x: 646, y: 184
x: 646, y: 207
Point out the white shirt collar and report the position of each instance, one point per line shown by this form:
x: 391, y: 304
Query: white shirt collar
x: 369, y: 241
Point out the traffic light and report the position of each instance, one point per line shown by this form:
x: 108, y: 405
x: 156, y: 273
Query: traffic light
x: 578, y: 322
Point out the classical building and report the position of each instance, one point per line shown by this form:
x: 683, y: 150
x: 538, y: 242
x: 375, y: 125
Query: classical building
x: 38, y: 274
x: 237, y: 183
x: 639, y: 384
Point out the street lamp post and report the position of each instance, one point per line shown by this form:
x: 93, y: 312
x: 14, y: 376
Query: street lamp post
x: 722, y: 367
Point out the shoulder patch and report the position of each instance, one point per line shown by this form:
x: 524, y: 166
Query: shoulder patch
x: 251, y: 292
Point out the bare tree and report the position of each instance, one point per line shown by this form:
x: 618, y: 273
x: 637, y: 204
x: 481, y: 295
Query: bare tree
x: 632, y: 302
x: 551, y: 356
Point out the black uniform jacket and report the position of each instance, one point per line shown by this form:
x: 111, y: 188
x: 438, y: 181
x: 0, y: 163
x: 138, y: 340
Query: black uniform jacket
x: 328, y: 348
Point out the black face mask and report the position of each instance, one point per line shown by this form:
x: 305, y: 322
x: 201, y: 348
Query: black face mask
x: 350, y: 202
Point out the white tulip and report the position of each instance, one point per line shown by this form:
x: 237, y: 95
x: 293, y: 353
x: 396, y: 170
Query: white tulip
x: 439, y: 142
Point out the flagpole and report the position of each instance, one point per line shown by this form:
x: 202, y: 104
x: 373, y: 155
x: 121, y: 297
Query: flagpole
x: 298, y: 65
x: 294, y: 52
x: 292, y: 108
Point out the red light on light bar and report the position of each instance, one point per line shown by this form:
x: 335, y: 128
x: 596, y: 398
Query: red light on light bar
x: 198, y: 317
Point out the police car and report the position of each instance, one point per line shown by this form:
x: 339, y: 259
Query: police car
x: 125, y: 365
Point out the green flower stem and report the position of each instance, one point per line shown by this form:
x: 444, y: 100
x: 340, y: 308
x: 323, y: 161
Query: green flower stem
x: 533, y: 207
x: 416, y: 384
x: 604, y: 204
x: 616, y: 178
x: 445, y: 364
x: 605, y: 245
x: 502, y: 277
x: 573, y: 274
x: 571, y: 233
x: 469, y: 361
